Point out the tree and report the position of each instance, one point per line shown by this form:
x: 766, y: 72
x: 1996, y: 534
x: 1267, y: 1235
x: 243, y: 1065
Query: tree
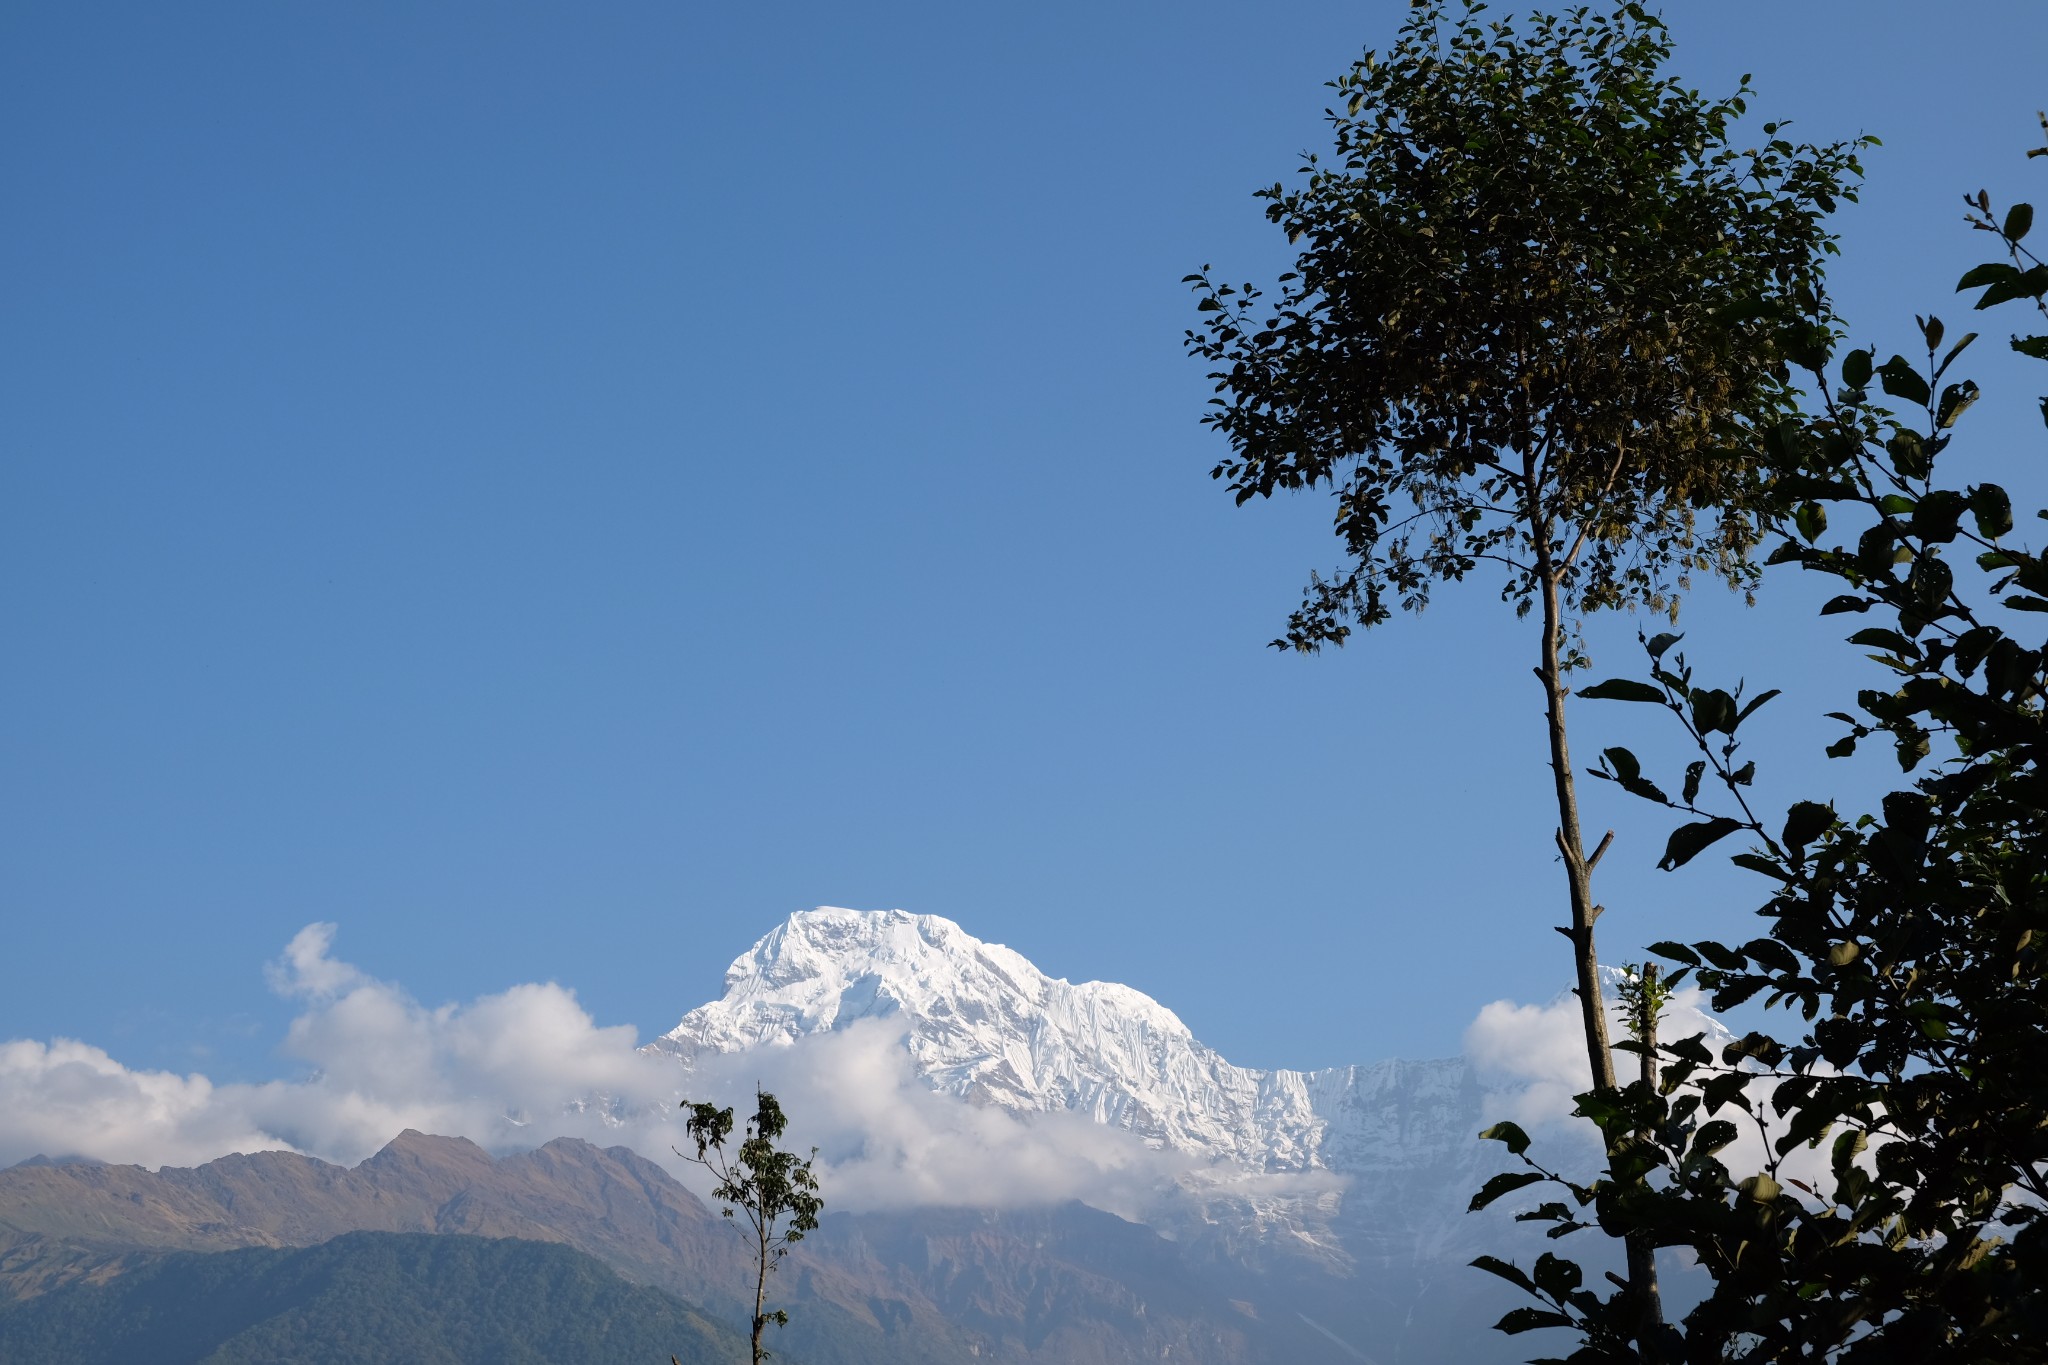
x: 1910, y: 939
x: 773, y: 1189
x: 1541, y: 309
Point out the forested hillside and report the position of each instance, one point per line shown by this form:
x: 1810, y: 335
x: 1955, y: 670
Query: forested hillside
x: 367, y: 1298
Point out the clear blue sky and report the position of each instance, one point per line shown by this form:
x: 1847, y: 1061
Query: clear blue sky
x: 554, y: 489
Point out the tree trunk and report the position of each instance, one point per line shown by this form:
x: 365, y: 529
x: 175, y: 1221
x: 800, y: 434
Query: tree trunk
x: 760, y: 1296
x: 1570, y: 840
x: 1642, y: 1271
x: 1571, y: 844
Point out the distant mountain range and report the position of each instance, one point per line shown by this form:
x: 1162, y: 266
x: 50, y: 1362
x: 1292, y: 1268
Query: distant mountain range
x: 1303, y: 1217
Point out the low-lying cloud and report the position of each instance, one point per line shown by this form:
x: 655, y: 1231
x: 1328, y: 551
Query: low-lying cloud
x: 377, y: 1062
x: 513, y: 1069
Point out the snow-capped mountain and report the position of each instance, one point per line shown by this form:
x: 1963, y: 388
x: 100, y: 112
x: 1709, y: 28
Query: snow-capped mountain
x: 985, y: 1025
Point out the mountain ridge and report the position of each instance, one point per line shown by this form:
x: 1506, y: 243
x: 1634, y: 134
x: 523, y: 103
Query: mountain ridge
x: 1042, y: 1286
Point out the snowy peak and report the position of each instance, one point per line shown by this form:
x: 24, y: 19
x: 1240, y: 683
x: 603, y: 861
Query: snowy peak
x: 984, y: 1024
x: 824, y: 968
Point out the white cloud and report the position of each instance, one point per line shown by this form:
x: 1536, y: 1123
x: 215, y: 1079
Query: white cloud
x: 1534, y: 1056
x: 887, y: 1140
x: 517, y: 1068
x: 307, y: 970
x: 67, y: 1097
x: 497, y: 1069
x: 514, y: 1069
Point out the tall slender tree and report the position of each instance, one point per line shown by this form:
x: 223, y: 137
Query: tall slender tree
x: 772, y: 1191
x: 1543, y: 307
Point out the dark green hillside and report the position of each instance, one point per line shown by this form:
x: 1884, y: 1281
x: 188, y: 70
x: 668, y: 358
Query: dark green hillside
x: 365, y: 1298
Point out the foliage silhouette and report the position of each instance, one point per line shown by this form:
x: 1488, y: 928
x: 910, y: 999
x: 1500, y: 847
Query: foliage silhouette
x: 1909, y: 939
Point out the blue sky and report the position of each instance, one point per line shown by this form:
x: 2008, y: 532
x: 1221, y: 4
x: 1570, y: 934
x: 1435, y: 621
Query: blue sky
x: 553, y: 490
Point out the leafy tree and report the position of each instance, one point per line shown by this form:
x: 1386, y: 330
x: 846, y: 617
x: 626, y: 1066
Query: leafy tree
x: 1541, y: 310
x: 774, y: 1190
x: 1912, y: 940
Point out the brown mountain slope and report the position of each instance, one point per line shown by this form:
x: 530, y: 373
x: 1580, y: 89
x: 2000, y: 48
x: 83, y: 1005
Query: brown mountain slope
x: 1067, y: 1285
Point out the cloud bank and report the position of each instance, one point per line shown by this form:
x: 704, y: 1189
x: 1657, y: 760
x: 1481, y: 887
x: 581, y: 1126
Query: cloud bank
x: 515, y: 1069
x: 377, y: 1062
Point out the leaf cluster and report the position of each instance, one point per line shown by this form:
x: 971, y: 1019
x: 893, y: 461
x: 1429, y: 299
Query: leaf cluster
x: 1540, y: 308
x: 1909, y: 940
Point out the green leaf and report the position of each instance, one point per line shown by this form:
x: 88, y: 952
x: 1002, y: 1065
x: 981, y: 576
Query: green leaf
x: 1713, y: 710
x: 1555, y: 1275
x: 1935, y: 516
x: 1977, y: 276
x: 1629, y: 773
x: 1660, y: 643
x: 1688, y: 841
x: 1621, y: 689
x: 1510, y: 1133
x: 1879, y: 638
x: 1856, y: 369
x: 1513, y: 1274
x: 1811, y: 519
x: 1626, y: 768
x: 1843, y: 953
x: 1901, y: 380
x: 1955, y: 401
x: 1929, y: 581
x: 1756, y: 862
x: 1760, y: 1188
x: 1713, y: 1136
x: 1758, y: 700
x: 2037, y: 347
x: 1507, y: 1182
x: 1956, y: 350
x: 1874, y: 550
x: 1992, y: 509
x: 1529, y: 1319
x: 1676, y: 952
x: 1805, y: 823
x: 1722, y: 956
x: 2030, y: 284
